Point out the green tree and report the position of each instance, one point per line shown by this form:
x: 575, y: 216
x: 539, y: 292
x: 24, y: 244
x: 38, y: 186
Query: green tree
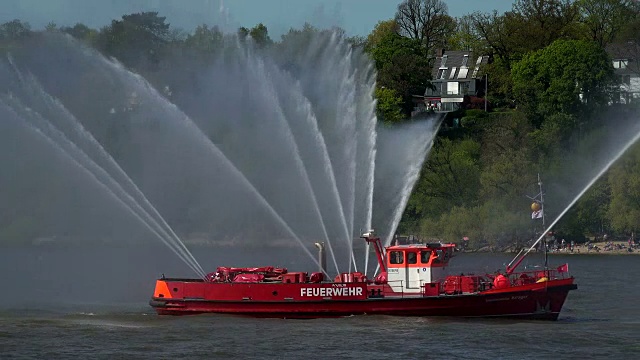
x: 258, y: 33
x: 591, y: 212
x: 604, y: 19
x: 81, y: 32
x: 402, y: 65
x: 508, y: 170
x: 530, y: 26
x: 135, y: 39
x: 12, y: 33
x: 379, y: 33
x: 466, y: 37
x: 569, y: 76
x: 389, y: 105
x: 204, y: 39
x: 14, y: 30
x: 51, y: 27
x: 624, y: 210
x: 450, y: 177
x: 538, y: 23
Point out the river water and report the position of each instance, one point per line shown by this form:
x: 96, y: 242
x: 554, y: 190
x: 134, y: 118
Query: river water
x: 70, y: 303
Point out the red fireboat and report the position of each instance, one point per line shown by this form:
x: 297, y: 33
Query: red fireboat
x: 412, y: 282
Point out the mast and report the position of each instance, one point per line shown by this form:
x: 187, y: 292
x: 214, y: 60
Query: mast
x: 546, y: 251
x: 523, y: 254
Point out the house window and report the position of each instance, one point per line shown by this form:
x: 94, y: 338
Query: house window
x: 453, y: 73
x: 464, y: 88
x: 462, y: 74
x: 452, y: 88
x: 620, y: 63
x: 475, y: 70
x: 442, y: 73
x: 396, y: 257
x: 465, y: 60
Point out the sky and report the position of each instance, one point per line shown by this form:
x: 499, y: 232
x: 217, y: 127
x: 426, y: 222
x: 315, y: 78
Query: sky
x: 357, y: 17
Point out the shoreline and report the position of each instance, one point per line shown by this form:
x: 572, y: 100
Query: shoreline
x: 600, y: 248
x: 618, y: 248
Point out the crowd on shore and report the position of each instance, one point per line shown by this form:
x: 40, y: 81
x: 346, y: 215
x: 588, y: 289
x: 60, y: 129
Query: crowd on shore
x: 604, y: 247
x: 562, y: 247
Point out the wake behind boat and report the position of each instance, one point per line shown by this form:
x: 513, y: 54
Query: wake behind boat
x: 412, y: 282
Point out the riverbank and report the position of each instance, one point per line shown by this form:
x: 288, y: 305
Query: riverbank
x: 597, y: 248
x: 601, y: 248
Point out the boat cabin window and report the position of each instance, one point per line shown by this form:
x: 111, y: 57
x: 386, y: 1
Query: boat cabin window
x: 412, y: 258
x: 396, y: 257
x: 439, y: 258
x: 424, y: 256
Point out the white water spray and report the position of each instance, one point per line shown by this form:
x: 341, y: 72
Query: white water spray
x: 589, y: 185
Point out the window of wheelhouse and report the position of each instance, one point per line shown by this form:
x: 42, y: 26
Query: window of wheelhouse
x: 425, y: 255
x: 412, y: 257
x: 396, y: 257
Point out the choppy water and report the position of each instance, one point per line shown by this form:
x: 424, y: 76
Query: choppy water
x: 600, y: 320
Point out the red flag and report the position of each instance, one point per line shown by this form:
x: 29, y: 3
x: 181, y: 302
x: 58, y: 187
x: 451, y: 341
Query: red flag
x: 563, y: 268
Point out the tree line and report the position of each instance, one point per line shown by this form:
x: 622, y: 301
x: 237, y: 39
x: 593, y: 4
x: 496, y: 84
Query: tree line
x: 552, y: 92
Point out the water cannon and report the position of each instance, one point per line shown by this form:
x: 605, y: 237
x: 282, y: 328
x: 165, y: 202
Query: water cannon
x: 368, y: 234
x: 370, y: 238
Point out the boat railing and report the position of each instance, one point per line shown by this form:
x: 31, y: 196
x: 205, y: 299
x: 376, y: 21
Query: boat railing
x: 529, y: 277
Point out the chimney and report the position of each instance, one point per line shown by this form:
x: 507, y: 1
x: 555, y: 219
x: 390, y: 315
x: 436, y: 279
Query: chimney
x: 440, y: 52
x: 322, y: 257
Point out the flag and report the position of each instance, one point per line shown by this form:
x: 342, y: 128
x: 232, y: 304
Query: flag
x: 537, y: 214
x: 563, y: 268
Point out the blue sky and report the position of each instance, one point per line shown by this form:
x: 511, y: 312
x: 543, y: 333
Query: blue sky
x: 357, y: 17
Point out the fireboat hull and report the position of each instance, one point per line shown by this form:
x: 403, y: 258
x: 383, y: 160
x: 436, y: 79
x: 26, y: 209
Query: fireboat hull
x: 541, y: 301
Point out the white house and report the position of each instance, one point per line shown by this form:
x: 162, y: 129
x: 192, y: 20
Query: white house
x: 627, y: 68
x: 456, y: 77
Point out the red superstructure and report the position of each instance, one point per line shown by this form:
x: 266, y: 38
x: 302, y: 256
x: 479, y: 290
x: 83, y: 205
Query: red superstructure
x: 412, y: 282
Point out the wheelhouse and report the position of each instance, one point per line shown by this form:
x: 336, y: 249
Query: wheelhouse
x: 409, y: 267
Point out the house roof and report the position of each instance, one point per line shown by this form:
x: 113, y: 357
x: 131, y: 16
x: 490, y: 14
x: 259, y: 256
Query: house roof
x: 455, y: 64
x: 629, y: 51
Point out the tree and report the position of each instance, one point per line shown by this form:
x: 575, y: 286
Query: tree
x: 51, y: 27
x: 205, y: 39
x: 357, y: 41
x: 12, y: 33
x: 530, y: 26
x: 624, y: 210
x: 591, y: 212
x: 544, y: 21
x: 570, y: 76
x: 450, y: 177
x: 136, y: 38
x: 603, y: 19
x: 389, y: 105
x: 402, y: 65
x: 379, y: 33
x: 81, y: 32
x: 466, y: 37
x: 426, y: 21
x: 492, y: 28
x: 258, y: 33
x: 14, y: 30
